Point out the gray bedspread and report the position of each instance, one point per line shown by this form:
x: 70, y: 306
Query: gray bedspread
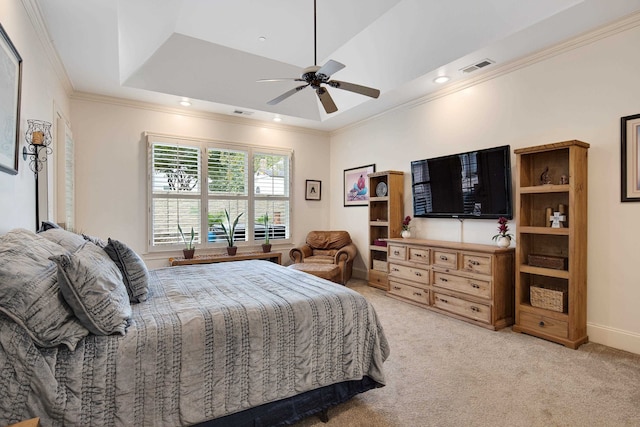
x: 211, y: 340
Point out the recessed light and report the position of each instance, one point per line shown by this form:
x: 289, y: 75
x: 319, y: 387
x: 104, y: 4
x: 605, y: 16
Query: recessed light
x: 262, y: 38
x: 440, y: 80
x: 185, y: 102
x: 277, y: 119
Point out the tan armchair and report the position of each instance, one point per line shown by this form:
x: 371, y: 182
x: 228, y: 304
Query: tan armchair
x: 327, y: 247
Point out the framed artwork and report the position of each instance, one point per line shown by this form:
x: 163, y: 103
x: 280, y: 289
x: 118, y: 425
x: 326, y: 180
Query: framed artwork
x: 313, y: 190
x: 356, y: 185
x: 10, y: 81
x: 630, y: 156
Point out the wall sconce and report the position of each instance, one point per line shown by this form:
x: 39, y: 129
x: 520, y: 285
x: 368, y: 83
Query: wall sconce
x: 38, y: 137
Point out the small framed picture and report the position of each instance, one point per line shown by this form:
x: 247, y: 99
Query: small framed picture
x: 630, y: 156
x: 313, y: 190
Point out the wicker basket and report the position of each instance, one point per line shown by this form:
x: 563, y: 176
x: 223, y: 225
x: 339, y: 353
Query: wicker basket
x: 380, y: 265
x: 550, y: 299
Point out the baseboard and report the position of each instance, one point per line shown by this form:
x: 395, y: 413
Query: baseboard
x: 612, y: 337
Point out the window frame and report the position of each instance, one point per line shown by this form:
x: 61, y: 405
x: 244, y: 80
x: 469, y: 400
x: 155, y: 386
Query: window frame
x: 204, y: 145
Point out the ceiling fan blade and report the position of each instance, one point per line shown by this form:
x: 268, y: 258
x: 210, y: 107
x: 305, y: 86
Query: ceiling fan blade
x: 326, y: 100
x: 352, y: 87
x: 284, y: 79
x: 287, y: 94
x: 330, y: 67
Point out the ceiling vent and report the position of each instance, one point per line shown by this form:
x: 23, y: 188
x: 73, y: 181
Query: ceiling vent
x: 477, y: 66
x: 242, y: 113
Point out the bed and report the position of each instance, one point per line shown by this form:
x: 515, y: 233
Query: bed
x: 98, y: 341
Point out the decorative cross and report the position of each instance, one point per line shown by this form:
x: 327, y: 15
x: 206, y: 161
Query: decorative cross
x: 557, y: 220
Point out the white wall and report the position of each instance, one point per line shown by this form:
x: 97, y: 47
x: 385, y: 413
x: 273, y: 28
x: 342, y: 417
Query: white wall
x: 111, y: 156
x: 42, y: 95
x: 579, y: 94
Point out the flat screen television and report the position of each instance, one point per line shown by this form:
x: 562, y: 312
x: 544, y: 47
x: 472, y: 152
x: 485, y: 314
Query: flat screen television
x: 476, y: 184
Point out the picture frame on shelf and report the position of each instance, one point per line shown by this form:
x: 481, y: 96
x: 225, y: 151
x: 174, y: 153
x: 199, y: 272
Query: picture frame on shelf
x: 356, y: 185
x: 313, y: 190
x: 630, y: 150
x: 10, y: 90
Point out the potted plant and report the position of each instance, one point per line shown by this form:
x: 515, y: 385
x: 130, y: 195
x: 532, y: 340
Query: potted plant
x: 266, y: 246
x: 189, y: 249
x: 406, y: 227
x: 229, y: 231
x: 503, y: 238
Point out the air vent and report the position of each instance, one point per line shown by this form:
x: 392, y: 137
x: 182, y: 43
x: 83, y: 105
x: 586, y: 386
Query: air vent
x: 477, y: 66
x: 242, y: 113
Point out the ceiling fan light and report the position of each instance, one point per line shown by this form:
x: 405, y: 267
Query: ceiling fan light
x: 441, y: 79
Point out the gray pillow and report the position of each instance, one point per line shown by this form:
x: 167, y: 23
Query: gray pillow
x: 95, y: 240
x: 92, y: 285
x: 134, y: 271
x: 67, y: 239
x: 29, y: 292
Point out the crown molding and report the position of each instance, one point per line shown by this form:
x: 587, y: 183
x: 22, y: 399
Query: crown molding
x: 35, y: 16
x: 619, y: 26
x: 199, y: 114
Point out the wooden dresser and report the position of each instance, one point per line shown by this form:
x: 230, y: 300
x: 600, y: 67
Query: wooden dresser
x: 470, y: 282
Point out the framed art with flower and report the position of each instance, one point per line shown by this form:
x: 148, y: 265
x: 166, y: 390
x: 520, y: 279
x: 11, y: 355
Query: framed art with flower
x: 630, y: 156
x: 10, y: 82
x: 356, y: 185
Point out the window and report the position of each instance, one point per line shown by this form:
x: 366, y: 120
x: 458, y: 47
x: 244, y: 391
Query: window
x: 241, y: 180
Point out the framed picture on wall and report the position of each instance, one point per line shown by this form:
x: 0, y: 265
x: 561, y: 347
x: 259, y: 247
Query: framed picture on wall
x: 313, y: 190
x: 630, y: 152
x: 356, y: 185
x: 10, y: 81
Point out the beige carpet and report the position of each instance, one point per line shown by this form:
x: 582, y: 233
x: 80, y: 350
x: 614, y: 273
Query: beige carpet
x: 445, y: 372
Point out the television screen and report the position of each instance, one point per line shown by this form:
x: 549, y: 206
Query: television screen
x: 476, y: 184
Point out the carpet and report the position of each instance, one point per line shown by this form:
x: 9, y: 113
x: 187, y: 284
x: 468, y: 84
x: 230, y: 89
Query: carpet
x: 445, y: 372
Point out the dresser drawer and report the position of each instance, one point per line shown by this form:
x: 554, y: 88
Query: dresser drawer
x: 411, y: 273
x: 464, y: 308
x: 445, y: 259
x: 480, y: 288
x: 397, y: 252
x: 475, y: 263
x: 544, y: 324
x: 409, y: 292
x: 420, y: 255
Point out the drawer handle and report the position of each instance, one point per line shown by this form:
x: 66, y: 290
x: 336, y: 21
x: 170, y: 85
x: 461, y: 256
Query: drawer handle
x: 475, y: 286
x: 396, y: 252
x: 475, y: 309
x: 397, y: 288
x: 442, y: 279
x: 395, y: 269
x: 417, y: 273
x: 443, y: 258
x: 418, y: 255
x: 443, y: 300
x: 541, y: 324
x: 418, y: 294
x: 472, y: 262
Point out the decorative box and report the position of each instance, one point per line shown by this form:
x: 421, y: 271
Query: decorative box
x: 547, y: 261
x: 380, y: 265
x: 549, y: 299
x: 378, y: 242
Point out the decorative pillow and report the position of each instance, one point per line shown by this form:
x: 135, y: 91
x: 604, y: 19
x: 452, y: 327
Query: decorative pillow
x: 92, y: 285
x: 29, y: 292
x: 134, y: 271
x: 47, y: 225
x: 95, y: 240
x: 67, y: 239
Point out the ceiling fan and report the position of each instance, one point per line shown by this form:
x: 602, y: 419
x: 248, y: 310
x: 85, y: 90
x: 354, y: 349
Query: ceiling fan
x: 316, y: 76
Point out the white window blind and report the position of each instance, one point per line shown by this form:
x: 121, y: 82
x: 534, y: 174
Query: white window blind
x: 239, y: 179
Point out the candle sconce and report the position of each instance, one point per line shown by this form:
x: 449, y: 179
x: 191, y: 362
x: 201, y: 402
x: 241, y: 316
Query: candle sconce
x: 38, y: 138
